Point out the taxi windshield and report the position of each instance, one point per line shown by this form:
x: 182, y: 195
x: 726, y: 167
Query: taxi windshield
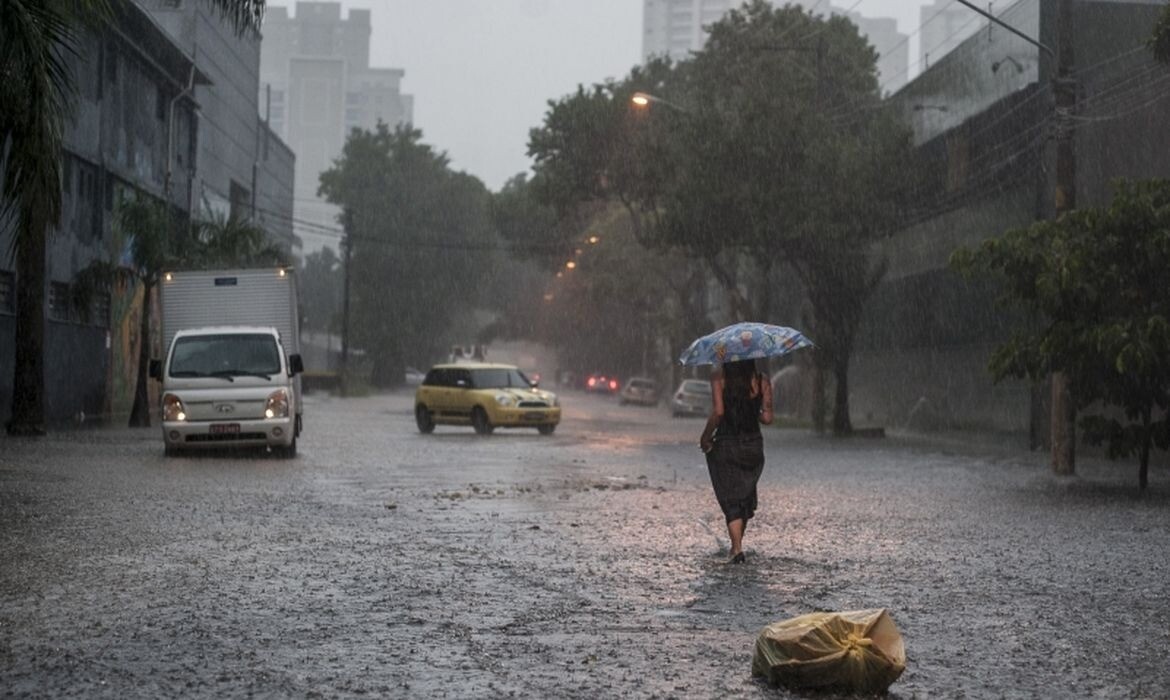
x: 502, y: 378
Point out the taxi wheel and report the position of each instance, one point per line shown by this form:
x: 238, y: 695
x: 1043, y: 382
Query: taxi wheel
x: 423, y: 418
x: 479, y: 420
x: 547, y: 429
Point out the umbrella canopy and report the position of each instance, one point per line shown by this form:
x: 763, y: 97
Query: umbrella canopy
x: 744, y: 341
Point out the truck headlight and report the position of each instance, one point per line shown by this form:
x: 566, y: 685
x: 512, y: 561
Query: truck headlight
x: 505, y: 399
x: 173, y: 409
x: 277, y: 406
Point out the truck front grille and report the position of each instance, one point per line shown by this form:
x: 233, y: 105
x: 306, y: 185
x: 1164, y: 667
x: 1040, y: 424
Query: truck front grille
x: 226, y: 437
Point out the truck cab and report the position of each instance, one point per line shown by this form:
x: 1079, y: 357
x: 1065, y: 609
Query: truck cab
x: 229, y: 386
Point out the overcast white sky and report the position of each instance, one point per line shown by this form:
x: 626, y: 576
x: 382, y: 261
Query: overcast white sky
x: 482, y: 71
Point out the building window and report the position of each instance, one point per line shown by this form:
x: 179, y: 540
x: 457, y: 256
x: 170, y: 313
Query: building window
x: 99, y: 310
x: 60, y: 306
x: 161, y: 101
x: 240, y: 201
x: 7, y: 292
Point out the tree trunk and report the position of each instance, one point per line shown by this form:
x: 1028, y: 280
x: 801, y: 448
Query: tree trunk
x: 820, y: 401
x: 28, y: 376
x: 1144, y: 467
x: 1064, y: 435
x: 841, y: 424
x: 140, y: 411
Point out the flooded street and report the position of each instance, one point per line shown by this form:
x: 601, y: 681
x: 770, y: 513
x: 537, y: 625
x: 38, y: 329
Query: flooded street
x: 385, y: 563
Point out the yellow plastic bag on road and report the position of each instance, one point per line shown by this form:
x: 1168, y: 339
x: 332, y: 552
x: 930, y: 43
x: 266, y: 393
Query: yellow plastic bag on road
x: 858, y: 651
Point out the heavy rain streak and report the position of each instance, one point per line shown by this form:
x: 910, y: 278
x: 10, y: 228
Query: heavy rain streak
x: 566, y: 349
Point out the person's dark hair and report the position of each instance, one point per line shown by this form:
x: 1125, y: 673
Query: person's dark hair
x: 737, y: 377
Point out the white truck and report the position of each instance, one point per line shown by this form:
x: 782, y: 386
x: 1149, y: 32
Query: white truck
x: 230, y: 377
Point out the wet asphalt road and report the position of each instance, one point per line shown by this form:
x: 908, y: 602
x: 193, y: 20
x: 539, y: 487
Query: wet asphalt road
x: 382, y: 563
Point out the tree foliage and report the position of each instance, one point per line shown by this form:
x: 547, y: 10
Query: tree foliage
x: 1100, y: 280
x: 322, y: 286
x: 422, y: 246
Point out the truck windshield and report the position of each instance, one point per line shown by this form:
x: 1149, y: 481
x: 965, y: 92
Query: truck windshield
x: 226, y: 355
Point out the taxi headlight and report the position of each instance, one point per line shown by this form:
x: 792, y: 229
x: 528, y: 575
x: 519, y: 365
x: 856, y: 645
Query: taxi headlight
x: 505, y: 400
x: 173, y: 409
x: 554, y: 400
x: 277, y: 406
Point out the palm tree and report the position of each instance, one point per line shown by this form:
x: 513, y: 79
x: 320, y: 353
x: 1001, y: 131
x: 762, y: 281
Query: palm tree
x: 36, y: 91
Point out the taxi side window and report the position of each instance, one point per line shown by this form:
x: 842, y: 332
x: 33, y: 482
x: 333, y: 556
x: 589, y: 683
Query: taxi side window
x: 438, y: 377
x: 461, y: 378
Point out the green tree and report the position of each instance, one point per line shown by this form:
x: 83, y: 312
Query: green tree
x: 36, y: 93
x: 1160, y: 40
x: 160, y: 240
x: 422, y: 246
x: 768, y: 149
x: 322, y: 280
x: 1098, y: 280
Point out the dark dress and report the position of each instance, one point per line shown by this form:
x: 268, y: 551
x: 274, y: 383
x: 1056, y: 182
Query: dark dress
x: 737, y: 459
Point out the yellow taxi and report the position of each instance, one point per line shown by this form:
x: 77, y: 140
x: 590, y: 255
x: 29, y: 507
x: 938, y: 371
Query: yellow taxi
x: 484, y: 396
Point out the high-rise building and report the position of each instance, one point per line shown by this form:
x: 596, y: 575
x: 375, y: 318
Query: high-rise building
x: 676, y: 27
x: 944, y: 25
x: 317, y: 84
x: 892, y: 46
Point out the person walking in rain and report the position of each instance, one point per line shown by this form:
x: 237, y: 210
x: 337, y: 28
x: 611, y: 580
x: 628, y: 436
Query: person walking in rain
x: 741, y: 399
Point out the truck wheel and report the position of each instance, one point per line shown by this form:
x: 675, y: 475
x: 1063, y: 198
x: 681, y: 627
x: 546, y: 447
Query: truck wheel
x: 547, y: 429
x: 422, y: 417
x: 286, y: 451
x: 479, y: 420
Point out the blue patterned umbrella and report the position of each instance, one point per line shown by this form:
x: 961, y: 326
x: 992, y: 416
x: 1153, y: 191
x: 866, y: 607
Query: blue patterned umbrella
x: 743, y: 341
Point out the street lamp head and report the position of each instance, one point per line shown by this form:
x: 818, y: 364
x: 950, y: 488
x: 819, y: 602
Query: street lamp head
x: 641, y: 99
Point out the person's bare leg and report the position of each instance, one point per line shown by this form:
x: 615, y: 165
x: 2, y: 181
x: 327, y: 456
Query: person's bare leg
x: 735, y: 532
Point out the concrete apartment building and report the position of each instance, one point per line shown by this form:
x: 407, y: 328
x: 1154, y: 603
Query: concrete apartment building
x: 317, y: 84
x: 944, y: 25
x: 675, y: 28
x: 241, y: 168
x: 986, y: 150
x: 893, y: 48
x: 154, y: 117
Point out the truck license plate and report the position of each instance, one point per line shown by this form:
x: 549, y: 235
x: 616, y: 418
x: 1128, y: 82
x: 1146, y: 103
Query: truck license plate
x: 224, y: 428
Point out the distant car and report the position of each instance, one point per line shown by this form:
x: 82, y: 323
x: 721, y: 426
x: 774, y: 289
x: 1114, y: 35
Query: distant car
x: 484, y: 396
x: 640, y: 390
x: 692, y: 398
x: 602, y: 383
x: 413, y: 377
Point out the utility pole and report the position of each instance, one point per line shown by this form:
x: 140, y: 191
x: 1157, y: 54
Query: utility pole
x: 344, y: 374
x: 1063, y: 412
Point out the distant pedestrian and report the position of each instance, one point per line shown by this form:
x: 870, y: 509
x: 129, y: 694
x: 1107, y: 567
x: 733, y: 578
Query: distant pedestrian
x: 741, y: 399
